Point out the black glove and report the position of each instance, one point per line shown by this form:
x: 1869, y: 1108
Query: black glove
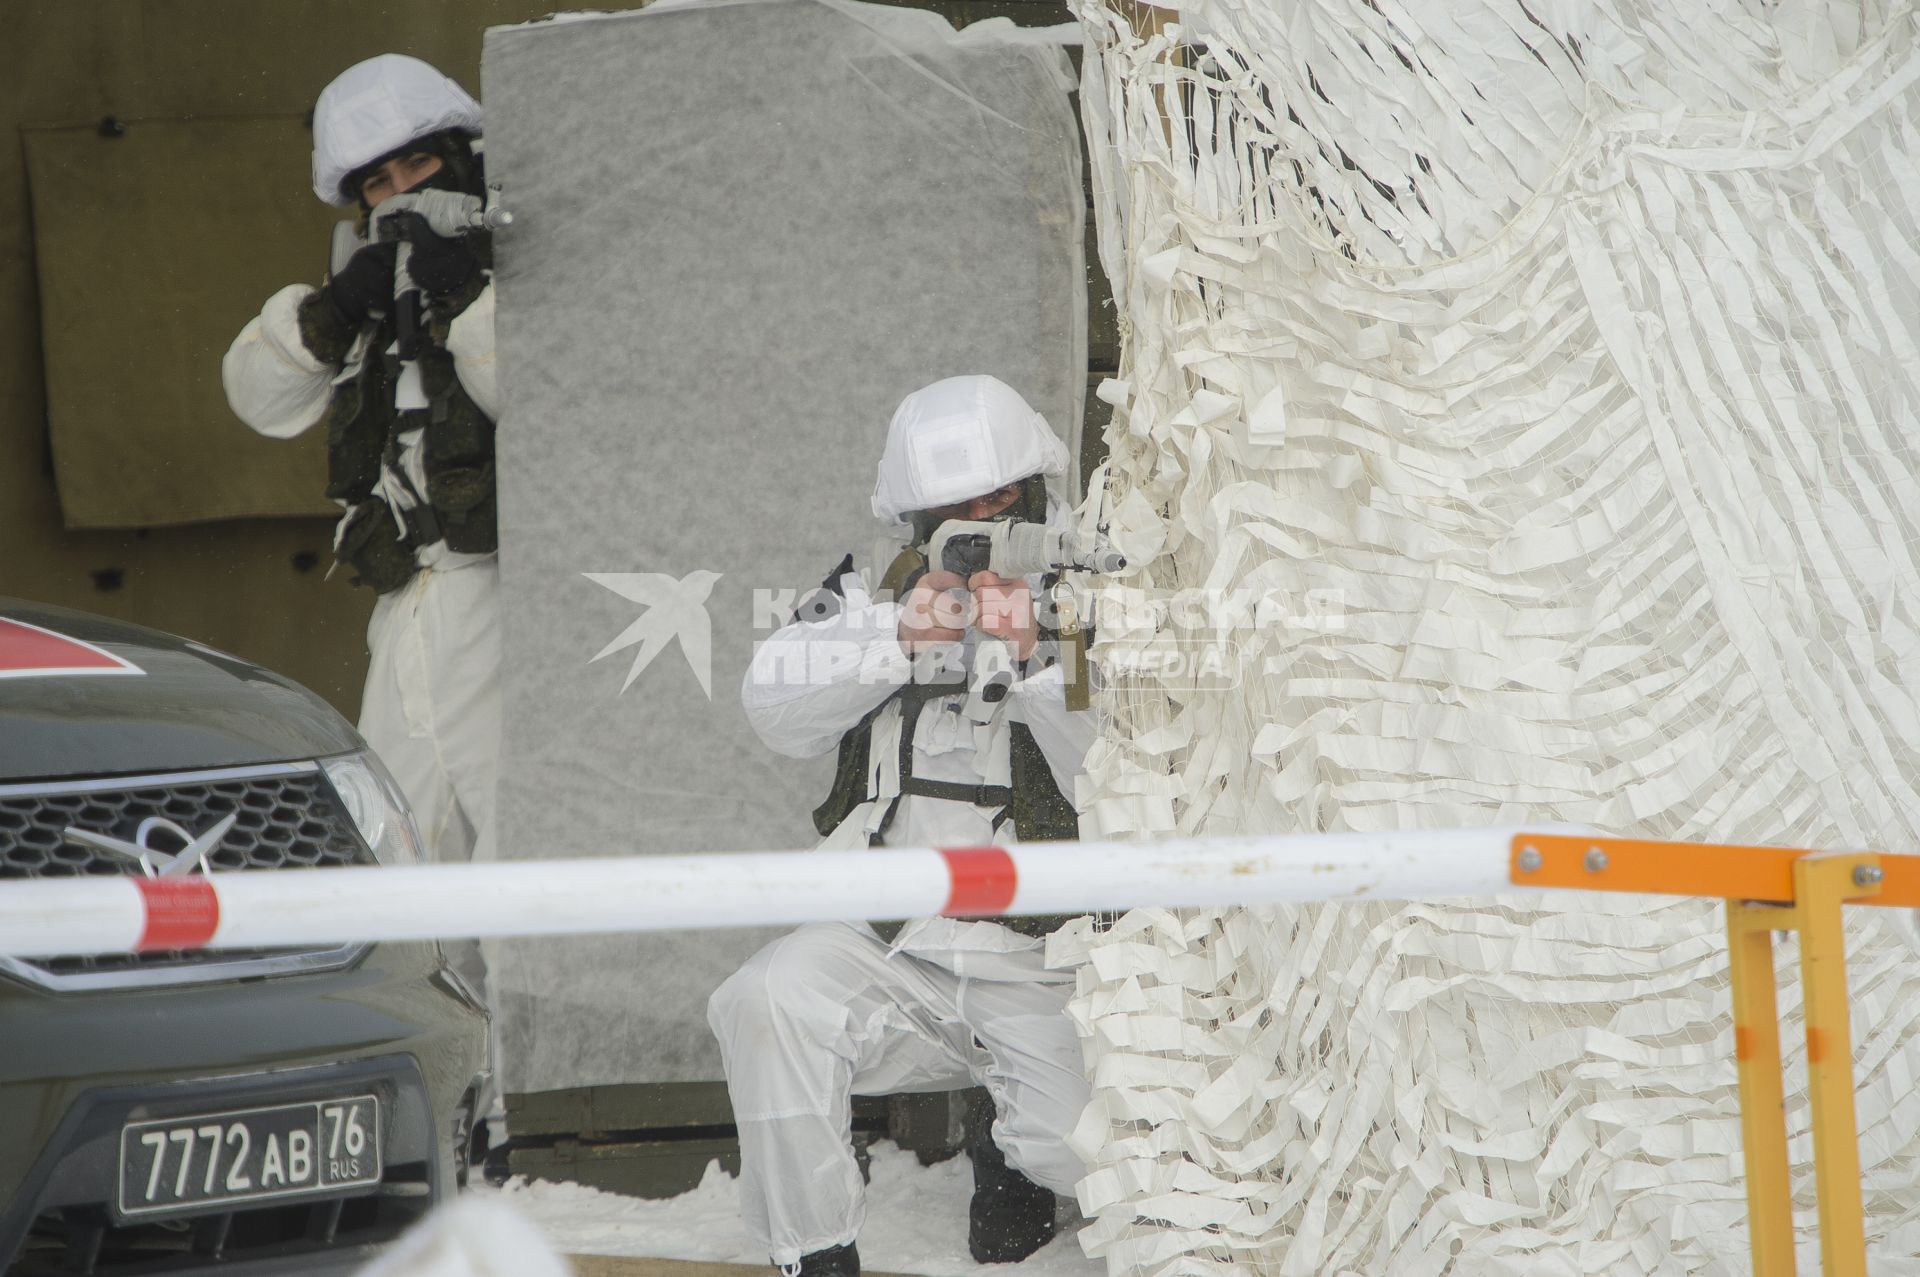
x: 437, y: 265
x: 364, y: 285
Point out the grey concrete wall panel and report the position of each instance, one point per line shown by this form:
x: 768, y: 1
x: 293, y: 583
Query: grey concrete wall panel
x: 744, y: 232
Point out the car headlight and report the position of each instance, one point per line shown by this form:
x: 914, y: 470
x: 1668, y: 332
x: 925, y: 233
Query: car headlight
x: 378, y: 808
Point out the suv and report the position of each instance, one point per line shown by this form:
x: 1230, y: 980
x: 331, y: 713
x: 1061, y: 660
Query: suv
x: 270, y: 1110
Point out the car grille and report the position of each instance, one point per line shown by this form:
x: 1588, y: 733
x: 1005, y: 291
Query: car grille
x: 287, y: 817
x: 85, y: 1239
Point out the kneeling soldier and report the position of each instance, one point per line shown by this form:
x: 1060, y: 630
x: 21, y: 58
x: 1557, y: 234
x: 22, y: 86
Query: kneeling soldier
x: 837, y: 1009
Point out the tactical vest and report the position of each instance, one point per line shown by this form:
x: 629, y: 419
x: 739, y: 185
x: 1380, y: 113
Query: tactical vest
x: 1032, y: 801
x: 457, y: 443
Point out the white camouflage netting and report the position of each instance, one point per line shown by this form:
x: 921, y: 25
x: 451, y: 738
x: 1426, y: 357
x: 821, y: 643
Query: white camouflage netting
x: 1546, y: 374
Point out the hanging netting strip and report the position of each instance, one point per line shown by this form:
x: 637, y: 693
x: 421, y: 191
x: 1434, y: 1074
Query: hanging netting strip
x: 1518, y: 417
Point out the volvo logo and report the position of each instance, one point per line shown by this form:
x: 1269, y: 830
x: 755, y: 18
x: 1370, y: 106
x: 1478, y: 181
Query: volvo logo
x: 152, y: 861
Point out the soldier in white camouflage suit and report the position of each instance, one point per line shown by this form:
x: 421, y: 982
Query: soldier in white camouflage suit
x: 838, y: 1009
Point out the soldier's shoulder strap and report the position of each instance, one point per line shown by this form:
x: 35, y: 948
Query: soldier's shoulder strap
x: 894, y: 580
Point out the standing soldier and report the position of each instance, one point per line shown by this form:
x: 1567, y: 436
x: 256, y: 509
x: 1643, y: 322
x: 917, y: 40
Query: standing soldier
x: 395, y: 354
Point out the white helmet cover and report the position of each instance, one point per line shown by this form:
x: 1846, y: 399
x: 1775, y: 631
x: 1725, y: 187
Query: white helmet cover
x: 378, y: 106
x: 961, y: 438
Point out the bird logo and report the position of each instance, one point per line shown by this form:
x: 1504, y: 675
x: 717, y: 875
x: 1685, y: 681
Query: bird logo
x: 674, y: 609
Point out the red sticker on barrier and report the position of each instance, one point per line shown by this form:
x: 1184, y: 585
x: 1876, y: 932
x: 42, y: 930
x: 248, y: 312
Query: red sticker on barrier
x: 181, y: 912
x: 983, y: 881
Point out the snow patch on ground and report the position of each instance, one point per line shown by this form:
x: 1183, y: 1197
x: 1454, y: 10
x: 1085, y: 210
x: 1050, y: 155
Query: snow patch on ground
x: 916, y: 1222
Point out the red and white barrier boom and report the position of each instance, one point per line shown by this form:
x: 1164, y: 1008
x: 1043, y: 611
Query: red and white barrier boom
x: 1767, y: 889
x: 47, y: 916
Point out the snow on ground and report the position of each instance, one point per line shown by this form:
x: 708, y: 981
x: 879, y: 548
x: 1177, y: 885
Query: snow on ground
x: 916, y: 1222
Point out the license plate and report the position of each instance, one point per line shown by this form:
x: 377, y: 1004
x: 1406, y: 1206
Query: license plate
x: 248, y: 1155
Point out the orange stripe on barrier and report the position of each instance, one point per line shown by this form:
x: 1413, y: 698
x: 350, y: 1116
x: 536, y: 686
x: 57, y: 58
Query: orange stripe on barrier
x: 984, y: 879
x: 182, y: 913
x: 1685, y: 868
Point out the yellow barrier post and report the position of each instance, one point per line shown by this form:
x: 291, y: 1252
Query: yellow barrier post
x: 1763, y: 1110
x: 1822, y: 882
x: 1767, y: 889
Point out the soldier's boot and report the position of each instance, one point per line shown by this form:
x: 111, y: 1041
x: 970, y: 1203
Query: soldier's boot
x: 1010, y: 1216
x: 834, y: 1261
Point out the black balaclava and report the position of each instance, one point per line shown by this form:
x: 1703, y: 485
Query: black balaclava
x: 1029, y: 507
x: 460, y: 168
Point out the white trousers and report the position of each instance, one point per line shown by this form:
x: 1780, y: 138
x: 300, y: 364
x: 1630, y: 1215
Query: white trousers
x: 431, y: 708
x: 431, y: 711
x: 826, y: 1013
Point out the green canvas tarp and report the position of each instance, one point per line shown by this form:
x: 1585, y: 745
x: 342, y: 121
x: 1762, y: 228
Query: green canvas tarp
x: 154, y: 245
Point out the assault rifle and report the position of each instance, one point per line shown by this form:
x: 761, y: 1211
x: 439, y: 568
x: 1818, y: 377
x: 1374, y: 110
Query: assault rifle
x: 1014, y: 550
x: 448, y: 213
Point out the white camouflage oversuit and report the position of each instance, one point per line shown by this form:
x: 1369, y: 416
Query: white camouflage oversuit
x: 431, y: 706
x: 831, y: 1010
